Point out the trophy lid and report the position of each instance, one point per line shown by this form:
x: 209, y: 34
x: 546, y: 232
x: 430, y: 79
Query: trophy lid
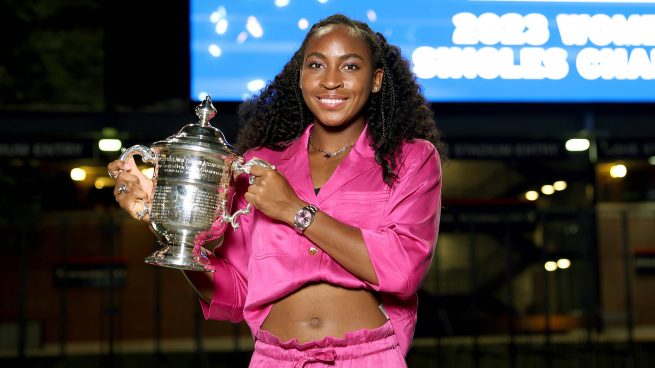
x: 202, y: 135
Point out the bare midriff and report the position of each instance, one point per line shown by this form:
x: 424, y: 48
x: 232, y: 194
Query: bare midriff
x: 320, y: 310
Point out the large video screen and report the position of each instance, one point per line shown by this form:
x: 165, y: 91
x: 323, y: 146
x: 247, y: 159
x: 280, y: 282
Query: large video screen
x: 460, y: 50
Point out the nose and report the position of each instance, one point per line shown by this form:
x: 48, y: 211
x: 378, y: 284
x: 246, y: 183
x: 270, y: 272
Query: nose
x: 331, y: 79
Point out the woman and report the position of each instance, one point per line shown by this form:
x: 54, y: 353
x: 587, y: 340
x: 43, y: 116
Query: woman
x: 326, y: 270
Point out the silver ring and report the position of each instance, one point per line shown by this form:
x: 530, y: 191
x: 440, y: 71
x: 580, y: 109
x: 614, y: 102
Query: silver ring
x: 112, y: 175
x: 146, y: 209
x: 123, y: 189
x: 251, y: 180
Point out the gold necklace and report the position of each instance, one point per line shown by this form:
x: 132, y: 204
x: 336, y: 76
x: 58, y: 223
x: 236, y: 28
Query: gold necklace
x: 326, y: 154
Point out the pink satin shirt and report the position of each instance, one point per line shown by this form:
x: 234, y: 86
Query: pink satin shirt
x: 264, y: 260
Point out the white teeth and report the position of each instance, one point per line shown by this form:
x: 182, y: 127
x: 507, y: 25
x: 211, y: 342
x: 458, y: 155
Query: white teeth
x: 331, y: 101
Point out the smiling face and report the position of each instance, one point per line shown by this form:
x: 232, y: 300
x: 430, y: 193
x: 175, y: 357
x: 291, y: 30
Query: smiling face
x: 337, y: 76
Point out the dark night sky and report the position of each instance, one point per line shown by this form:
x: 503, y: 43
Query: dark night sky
x: 72, y: 55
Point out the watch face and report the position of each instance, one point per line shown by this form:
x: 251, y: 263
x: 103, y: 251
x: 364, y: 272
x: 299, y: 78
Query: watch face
x: 303, y: 217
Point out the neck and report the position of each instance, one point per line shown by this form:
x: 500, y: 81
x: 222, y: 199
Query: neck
x: 331, y: 139
x: 327, y: 154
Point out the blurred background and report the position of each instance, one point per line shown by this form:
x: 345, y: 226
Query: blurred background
x: 546, y: 253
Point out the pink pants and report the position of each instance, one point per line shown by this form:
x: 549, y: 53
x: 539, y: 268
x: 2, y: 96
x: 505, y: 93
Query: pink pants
x: 377, y: 348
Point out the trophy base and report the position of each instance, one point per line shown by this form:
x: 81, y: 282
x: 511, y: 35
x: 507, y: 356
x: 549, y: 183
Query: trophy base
x: 175, y: 256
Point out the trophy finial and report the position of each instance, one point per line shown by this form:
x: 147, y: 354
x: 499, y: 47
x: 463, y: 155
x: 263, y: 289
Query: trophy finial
x: 205, y: 111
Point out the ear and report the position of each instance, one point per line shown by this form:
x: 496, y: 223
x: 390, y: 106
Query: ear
x: 378, y: 76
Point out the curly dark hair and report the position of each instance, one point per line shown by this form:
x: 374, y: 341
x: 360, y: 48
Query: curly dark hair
x: 398, y: 112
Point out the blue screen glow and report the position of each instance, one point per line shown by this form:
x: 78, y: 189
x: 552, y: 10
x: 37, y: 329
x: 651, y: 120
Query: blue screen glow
x: 460, y: 50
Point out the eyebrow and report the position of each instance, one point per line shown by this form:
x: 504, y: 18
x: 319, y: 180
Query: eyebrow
x: 342, y: 57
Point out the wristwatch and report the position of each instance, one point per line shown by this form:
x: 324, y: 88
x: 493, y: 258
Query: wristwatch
x: 304, y: 217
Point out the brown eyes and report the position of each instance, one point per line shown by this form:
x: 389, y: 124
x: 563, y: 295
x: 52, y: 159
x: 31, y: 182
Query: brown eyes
x: 347, y: 67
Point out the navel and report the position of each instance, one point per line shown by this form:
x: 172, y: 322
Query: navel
x: 315, y: 322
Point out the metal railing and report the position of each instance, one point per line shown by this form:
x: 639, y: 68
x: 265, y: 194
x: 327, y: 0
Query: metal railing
x: 492, y: 321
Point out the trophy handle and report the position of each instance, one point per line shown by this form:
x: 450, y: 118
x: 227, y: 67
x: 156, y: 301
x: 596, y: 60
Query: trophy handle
x: 147, y: 155
x: 238, y: 168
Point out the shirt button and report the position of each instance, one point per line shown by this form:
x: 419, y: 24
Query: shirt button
x: 313, y: 251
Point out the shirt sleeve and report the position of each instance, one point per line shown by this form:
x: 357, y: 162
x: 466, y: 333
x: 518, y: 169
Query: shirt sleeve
x: 401, y: 248
x: 230, y: 260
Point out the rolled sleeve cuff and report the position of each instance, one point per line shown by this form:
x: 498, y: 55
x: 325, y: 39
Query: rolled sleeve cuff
x: 226, y: 303
x: 386, y: 264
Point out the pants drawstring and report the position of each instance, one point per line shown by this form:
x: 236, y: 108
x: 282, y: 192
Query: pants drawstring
x: 325, y: 356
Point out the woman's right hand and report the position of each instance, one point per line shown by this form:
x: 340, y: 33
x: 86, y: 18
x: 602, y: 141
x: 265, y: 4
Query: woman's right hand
x: 136, y: 188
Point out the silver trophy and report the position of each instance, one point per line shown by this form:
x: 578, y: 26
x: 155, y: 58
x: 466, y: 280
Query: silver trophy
x: 194, y: 185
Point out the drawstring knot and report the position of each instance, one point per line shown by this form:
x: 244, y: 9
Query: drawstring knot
x: 324, y: 355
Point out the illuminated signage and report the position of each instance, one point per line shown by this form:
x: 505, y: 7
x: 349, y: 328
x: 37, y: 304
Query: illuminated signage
x: 460, y: 50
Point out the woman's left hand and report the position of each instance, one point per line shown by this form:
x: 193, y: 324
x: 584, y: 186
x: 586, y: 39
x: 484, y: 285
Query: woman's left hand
x: 271, y: 193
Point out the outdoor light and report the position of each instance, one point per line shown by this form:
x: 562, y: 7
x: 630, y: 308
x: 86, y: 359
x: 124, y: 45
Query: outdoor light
x: 559, y: 185
x: 110, y: 145
x: 78, y: 174
x: 532, y: 195
x: 577, y: 144
x: 103, y: 182
x: 149, y: 172
x: 550, y: 266
x: 563, y: 263
x: 618, y: 171
x: 547, y: 189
